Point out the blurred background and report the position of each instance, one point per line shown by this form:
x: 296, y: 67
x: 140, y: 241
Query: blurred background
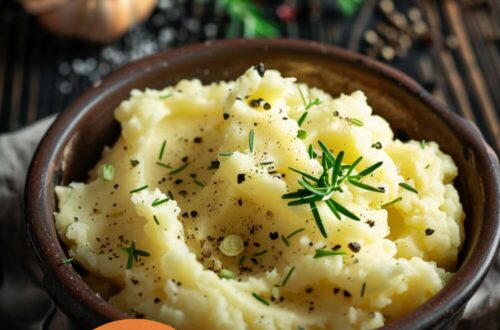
x: 51, y: 51
x: 451, y: 46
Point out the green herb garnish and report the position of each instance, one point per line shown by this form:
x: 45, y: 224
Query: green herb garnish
x: 422, y: 143
x: 107, y: 172
x: 259, y: 298
x: 163, y: 165
x: 139, y: 189
x: 356, y: 122
x: 394, y: 201
x: 179, y: 169
x: 158, y: 201
x: 322, y: 188
x: 311, y: 152
x: 363, y: 289
x: 156, y: 220
x: 133, y: 253
x: 310, y: 103
x: 267, y: 163
x: 68, y: 261
x: 408, y: 187
x: 285, y: 240
x: 164, y: 97
x: 259, y: 253
x: 301, y: 134
x: 162, y: 149
x: 327, y: 253
x: 287, y: 277
x: 293, y: 233
x: 226, y: 153
x: 250, y: 140
x: 198, y: 183
x: 302, y: 118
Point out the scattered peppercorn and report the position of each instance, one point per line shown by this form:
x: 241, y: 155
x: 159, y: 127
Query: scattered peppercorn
x: 267, y: 106
x: 354, y: 247
x: 240, y: 178
x: 260, y: 68
x: 273, y: 235
x: 429, y: 231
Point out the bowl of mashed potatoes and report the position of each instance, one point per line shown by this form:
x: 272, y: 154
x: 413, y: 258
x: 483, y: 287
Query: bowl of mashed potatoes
x: 264, y: 184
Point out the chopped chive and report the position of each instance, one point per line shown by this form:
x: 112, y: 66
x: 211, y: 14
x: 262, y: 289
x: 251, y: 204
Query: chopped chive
x: 131, y: 255
x: 394, y: 201
x: 295, y: 233
x: 198, y: 182
x: 259, y: 253
x: 226, y: 153
x: 68, y: 261
x: 287, y: 277
x: 408, y: 187
x: 311, y: 152
x: 107, y: 172
x: 250, y: 140
x: 422, y: 144
x: 327, y: 253
x: 267, y: 163
x: 356, y: 122
x: 427, y: 166
x: 301, y: 134
x: 285, y: 240
x: 139, y: 189
x: 226, y: 274
x: 363, y: 289
x: 163, y: 165
x: 259, y: 298
x: 302, y: 118
x: 241, y: 261
x: 164, y: 97
x: 156, y: 220
x: 158, y: 201
x: 302, y: 96
x: 162, y: 149
x: 179, y: 169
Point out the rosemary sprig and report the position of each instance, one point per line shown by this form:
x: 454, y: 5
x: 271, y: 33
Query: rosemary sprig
x: 322, y: 188
x: 158, y: 201
x: 139, y: 189
x: 67, y: 261
x: 162, y: 149
x: 394, y: 201
x: 307, y: 104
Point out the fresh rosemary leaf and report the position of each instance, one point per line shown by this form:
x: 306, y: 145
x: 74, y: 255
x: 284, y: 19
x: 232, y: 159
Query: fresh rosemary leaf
x: 344, y: 211
x: 259, y: 298
x: 317, y: 219
x: 179, y: 169
x: 364, y: 186
x: 327, y: 253
x: 369, y: 170
x: 394, y: 201
x: 309, y: 176
x: 250, y: 139
x: 408, y: 187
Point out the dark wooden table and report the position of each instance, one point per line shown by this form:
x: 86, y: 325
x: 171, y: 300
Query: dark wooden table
x: 455, y: 56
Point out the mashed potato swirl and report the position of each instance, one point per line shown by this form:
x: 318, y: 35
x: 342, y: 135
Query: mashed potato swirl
x: 196, y: 164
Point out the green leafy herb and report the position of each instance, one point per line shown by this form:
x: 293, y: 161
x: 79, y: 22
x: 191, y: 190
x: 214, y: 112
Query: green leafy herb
x: 267, y: 163
x: 225, y: 153
x: 133, y: 253
x: 241, y: 261
x: 163, y: 165
x: 198, y: 183
x: 259, y: 298
x: 327, y: 253
x: 322, y: 188
x: 422, y: 143
x: 311, y: 152
x: 349, y: 7
x: 164, y: 97
x: 301, y: 134
x: 394, y: 201
x: 363, y: 289
x: 179, y: 169
x: 107, y: 172
x: 302, y: 118
x: 139, y: 189
x: 68, y: 261
x: 295, y: 232
x: 259, y: 253
x: 158, y: 201
x: 162, y: 149
x: 310, y: 103
x: 287, y: 277
x: 408, y: 187
x: 246, y: 13
x: 156, y: 220
x: 250, y: 140
x: 285, y: 240
x: 356, y: 122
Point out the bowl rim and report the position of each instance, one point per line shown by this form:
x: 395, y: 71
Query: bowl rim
x: 50, y: 251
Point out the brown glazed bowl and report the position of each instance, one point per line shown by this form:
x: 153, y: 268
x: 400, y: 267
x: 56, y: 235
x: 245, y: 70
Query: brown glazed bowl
x: 74, y: 143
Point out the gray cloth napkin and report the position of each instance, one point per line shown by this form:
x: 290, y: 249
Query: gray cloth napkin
x: 25, y: 305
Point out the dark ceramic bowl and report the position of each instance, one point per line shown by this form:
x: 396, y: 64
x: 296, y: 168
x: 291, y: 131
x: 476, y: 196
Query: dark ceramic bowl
x: 74, y: 143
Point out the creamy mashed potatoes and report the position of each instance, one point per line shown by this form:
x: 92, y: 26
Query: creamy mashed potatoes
x: 187, y: 219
